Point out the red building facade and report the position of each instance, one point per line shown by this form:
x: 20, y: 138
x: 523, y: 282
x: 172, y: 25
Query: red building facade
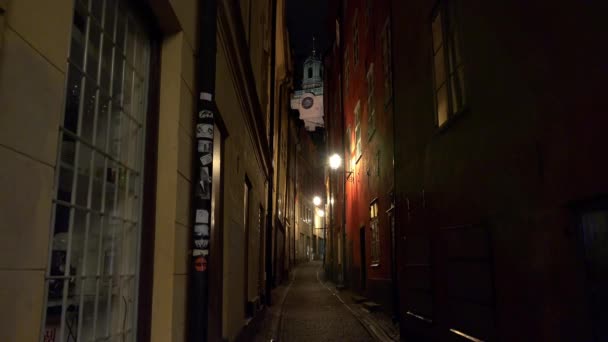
x: 360, y: 129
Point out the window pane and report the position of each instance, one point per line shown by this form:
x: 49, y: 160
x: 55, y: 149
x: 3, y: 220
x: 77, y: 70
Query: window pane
x: 98, y: 180
x: 96, y: 9
x: 86, y: 290
x: 79, y: 24
x: 437, y: 32
x: 88, y: 112
x: 130, y: 44
x: 439, y: 62
x: 103, y: 123
x: 109, y: 19
x: 73, y: 94
x: 80, y: 241
x: 115, y: 131
x: 458, y: 94
x: 442, y: 105
x: 121, y: 27
x: 93, y: 49
x: 85, y: 156
x: 106, y: 65
x: 127, y: 99
x: 117, y: 77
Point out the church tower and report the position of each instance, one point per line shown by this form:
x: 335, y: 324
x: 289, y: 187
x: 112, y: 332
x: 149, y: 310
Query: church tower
x: 309, y: 99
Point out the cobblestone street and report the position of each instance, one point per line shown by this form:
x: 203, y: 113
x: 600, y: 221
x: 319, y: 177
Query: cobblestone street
x: 312, y: 313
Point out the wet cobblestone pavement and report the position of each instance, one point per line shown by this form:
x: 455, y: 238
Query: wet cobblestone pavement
x: 311, y: 312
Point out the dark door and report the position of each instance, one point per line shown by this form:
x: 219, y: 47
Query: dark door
x: 593, y: 222
x: 363, y: 260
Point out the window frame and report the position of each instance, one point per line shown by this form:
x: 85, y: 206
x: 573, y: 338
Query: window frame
x: 357, y: 113
x: 452, y: 63
x: 387, y: 67
x: 374, y: 226
x: 371, y: 102
x: 138, y: 108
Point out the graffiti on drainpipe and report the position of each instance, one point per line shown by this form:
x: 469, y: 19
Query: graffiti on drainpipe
x: 202, y: 216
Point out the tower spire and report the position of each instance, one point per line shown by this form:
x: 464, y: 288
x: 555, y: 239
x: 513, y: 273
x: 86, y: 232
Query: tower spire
x: 314, y: 49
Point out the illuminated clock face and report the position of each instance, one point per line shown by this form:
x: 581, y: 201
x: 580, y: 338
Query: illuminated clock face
x: 307, y: 102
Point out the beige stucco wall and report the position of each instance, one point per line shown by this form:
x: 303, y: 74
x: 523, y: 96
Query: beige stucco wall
x: 32, y: 80
x: 30, y: 110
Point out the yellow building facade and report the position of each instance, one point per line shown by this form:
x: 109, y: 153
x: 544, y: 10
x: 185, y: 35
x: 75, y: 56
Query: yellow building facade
x: 89, y: 111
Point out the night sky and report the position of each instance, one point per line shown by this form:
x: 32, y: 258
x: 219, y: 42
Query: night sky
x: 306, y: 18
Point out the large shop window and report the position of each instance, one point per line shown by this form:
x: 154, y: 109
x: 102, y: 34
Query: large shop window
x: 92, y: 275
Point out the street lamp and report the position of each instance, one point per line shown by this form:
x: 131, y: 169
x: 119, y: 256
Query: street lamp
x: 335, y: 161
x: 316, y: 201
x: 320, y: 212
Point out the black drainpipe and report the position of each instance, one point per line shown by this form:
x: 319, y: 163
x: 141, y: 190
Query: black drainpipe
x: 198, y: 299
x: 269, y: 221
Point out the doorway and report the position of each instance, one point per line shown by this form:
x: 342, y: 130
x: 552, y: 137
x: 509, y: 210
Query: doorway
x: 593, y: 235
x: 363, y: 259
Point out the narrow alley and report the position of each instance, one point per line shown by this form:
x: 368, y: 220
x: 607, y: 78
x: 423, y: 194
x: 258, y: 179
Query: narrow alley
x: 303, y: 170
x: 311, y: 312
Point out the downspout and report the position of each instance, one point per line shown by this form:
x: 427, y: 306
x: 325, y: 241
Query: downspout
x: 198, y: 296
x: 343, y: 147
x: 395, y: 273
x: 269, y: 222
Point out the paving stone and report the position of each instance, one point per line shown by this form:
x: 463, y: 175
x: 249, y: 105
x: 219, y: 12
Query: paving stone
x: 312, y: 313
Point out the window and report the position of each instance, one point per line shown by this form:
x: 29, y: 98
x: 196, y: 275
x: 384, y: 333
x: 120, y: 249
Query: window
x: 358, y: 130
x: 309, y: 72
x: 387, y: 69
x: 246, y: 201
x: 371, y: 104
x: 92, y: 277
x: 375, y: 241
x: 356, y: 38
x: 348, y: 139
x: 346, y: 71
x: 448, y: 68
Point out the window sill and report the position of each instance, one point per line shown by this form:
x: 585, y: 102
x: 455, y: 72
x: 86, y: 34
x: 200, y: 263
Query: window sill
x: 451, y: 120
x: 371, y: 135
x: 375, y: 265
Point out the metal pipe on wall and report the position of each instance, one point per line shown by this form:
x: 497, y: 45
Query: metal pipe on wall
x: 269, y: 220
x: 198, y: 295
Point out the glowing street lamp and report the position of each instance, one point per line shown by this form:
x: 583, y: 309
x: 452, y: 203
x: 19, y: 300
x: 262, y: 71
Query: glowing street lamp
x: 335, y: 161
x: 321, y: 213
x: 316, y: 201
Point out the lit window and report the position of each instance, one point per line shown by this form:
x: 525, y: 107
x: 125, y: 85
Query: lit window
x: 91, y: 280
x: 358, y: 130
x: 448, y: 68
x: 371, y: 104
x: 375, y: 241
